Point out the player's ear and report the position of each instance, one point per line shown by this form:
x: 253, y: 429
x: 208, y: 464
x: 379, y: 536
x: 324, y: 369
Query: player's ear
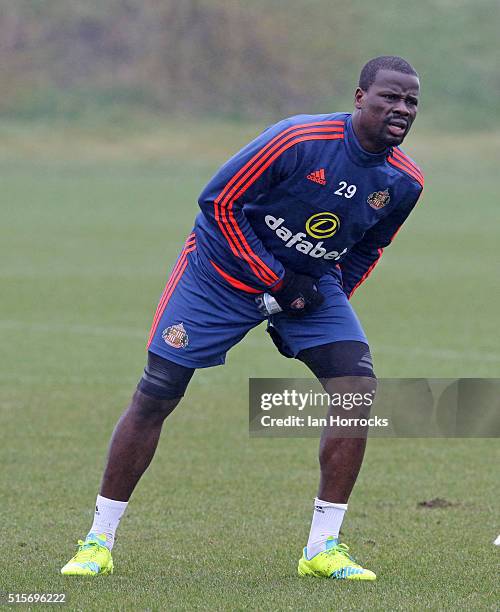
x: 359, y: 96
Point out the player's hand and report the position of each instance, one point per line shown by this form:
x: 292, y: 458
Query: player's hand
x: 298, y: 294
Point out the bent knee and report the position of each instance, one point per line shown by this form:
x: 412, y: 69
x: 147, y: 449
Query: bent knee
x: 345, y: 358
x: 163, y: 379
x: 161, y: 387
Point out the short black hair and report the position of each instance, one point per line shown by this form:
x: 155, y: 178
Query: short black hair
x: 384, y: 62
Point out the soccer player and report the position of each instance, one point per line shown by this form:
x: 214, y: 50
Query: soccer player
x: 303, y: 213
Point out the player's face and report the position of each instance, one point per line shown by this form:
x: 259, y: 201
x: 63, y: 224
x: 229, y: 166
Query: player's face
x: 386, y: 111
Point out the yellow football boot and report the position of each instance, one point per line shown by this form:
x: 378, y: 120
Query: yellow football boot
x: 92, y: 559
x: 333, y: 562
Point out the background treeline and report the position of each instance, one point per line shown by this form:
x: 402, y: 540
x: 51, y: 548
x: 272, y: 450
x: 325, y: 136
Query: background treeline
x: 68, y: 58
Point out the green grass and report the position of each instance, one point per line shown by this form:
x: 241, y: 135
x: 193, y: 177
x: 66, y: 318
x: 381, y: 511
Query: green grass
x: 219, y: 520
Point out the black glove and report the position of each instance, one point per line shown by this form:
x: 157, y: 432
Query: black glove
x: 298, y: 294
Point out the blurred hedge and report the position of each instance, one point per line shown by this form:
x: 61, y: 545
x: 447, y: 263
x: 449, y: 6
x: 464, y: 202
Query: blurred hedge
x: 241, y: 59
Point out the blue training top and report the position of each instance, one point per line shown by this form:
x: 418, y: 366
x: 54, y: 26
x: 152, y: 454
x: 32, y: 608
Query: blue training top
x: 304, y: 195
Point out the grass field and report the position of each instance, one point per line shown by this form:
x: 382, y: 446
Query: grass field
x: 92, y: 221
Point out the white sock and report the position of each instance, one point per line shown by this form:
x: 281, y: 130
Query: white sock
x: 326, y: 522
x: 107, y: 515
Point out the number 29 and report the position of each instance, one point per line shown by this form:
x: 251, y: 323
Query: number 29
x: 345, y: 190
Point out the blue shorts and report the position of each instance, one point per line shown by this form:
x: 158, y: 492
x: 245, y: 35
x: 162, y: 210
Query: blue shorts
x: 200, y: 316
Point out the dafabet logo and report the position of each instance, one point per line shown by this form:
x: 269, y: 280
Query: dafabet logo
x: 321, y: 225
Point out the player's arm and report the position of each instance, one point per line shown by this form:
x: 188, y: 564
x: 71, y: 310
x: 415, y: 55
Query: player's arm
x: 253, y: 171
x: 365, y: 255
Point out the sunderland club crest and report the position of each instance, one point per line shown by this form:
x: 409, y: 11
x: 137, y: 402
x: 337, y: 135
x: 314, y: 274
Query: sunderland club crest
x: 379, y: 199
x: 176, y: 336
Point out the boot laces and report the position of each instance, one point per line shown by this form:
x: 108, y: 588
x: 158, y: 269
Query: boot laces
x: 341, y: 549
x: 87, y: 550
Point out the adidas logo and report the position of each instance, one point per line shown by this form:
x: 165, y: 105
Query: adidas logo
x: 318, y: 176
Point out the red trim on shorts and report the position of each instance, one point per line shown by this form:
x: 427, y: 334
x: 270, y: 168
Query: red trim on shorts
x: 172, y: 283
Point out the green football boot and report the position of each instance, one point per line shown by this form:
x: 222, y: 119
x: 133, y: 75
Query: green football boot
x: 92, y: 559
x: 334, y: 562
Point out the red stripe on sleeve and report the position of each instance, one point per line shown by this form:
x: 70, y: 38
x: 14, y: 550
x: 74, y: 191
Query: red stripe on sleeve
x: 245, y: 246
x: 406, y: 169
x: 263, y: 160
x: 265, y: 273
x: 279, y: 136
x: 234, y: 281
x: 398, y: 154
